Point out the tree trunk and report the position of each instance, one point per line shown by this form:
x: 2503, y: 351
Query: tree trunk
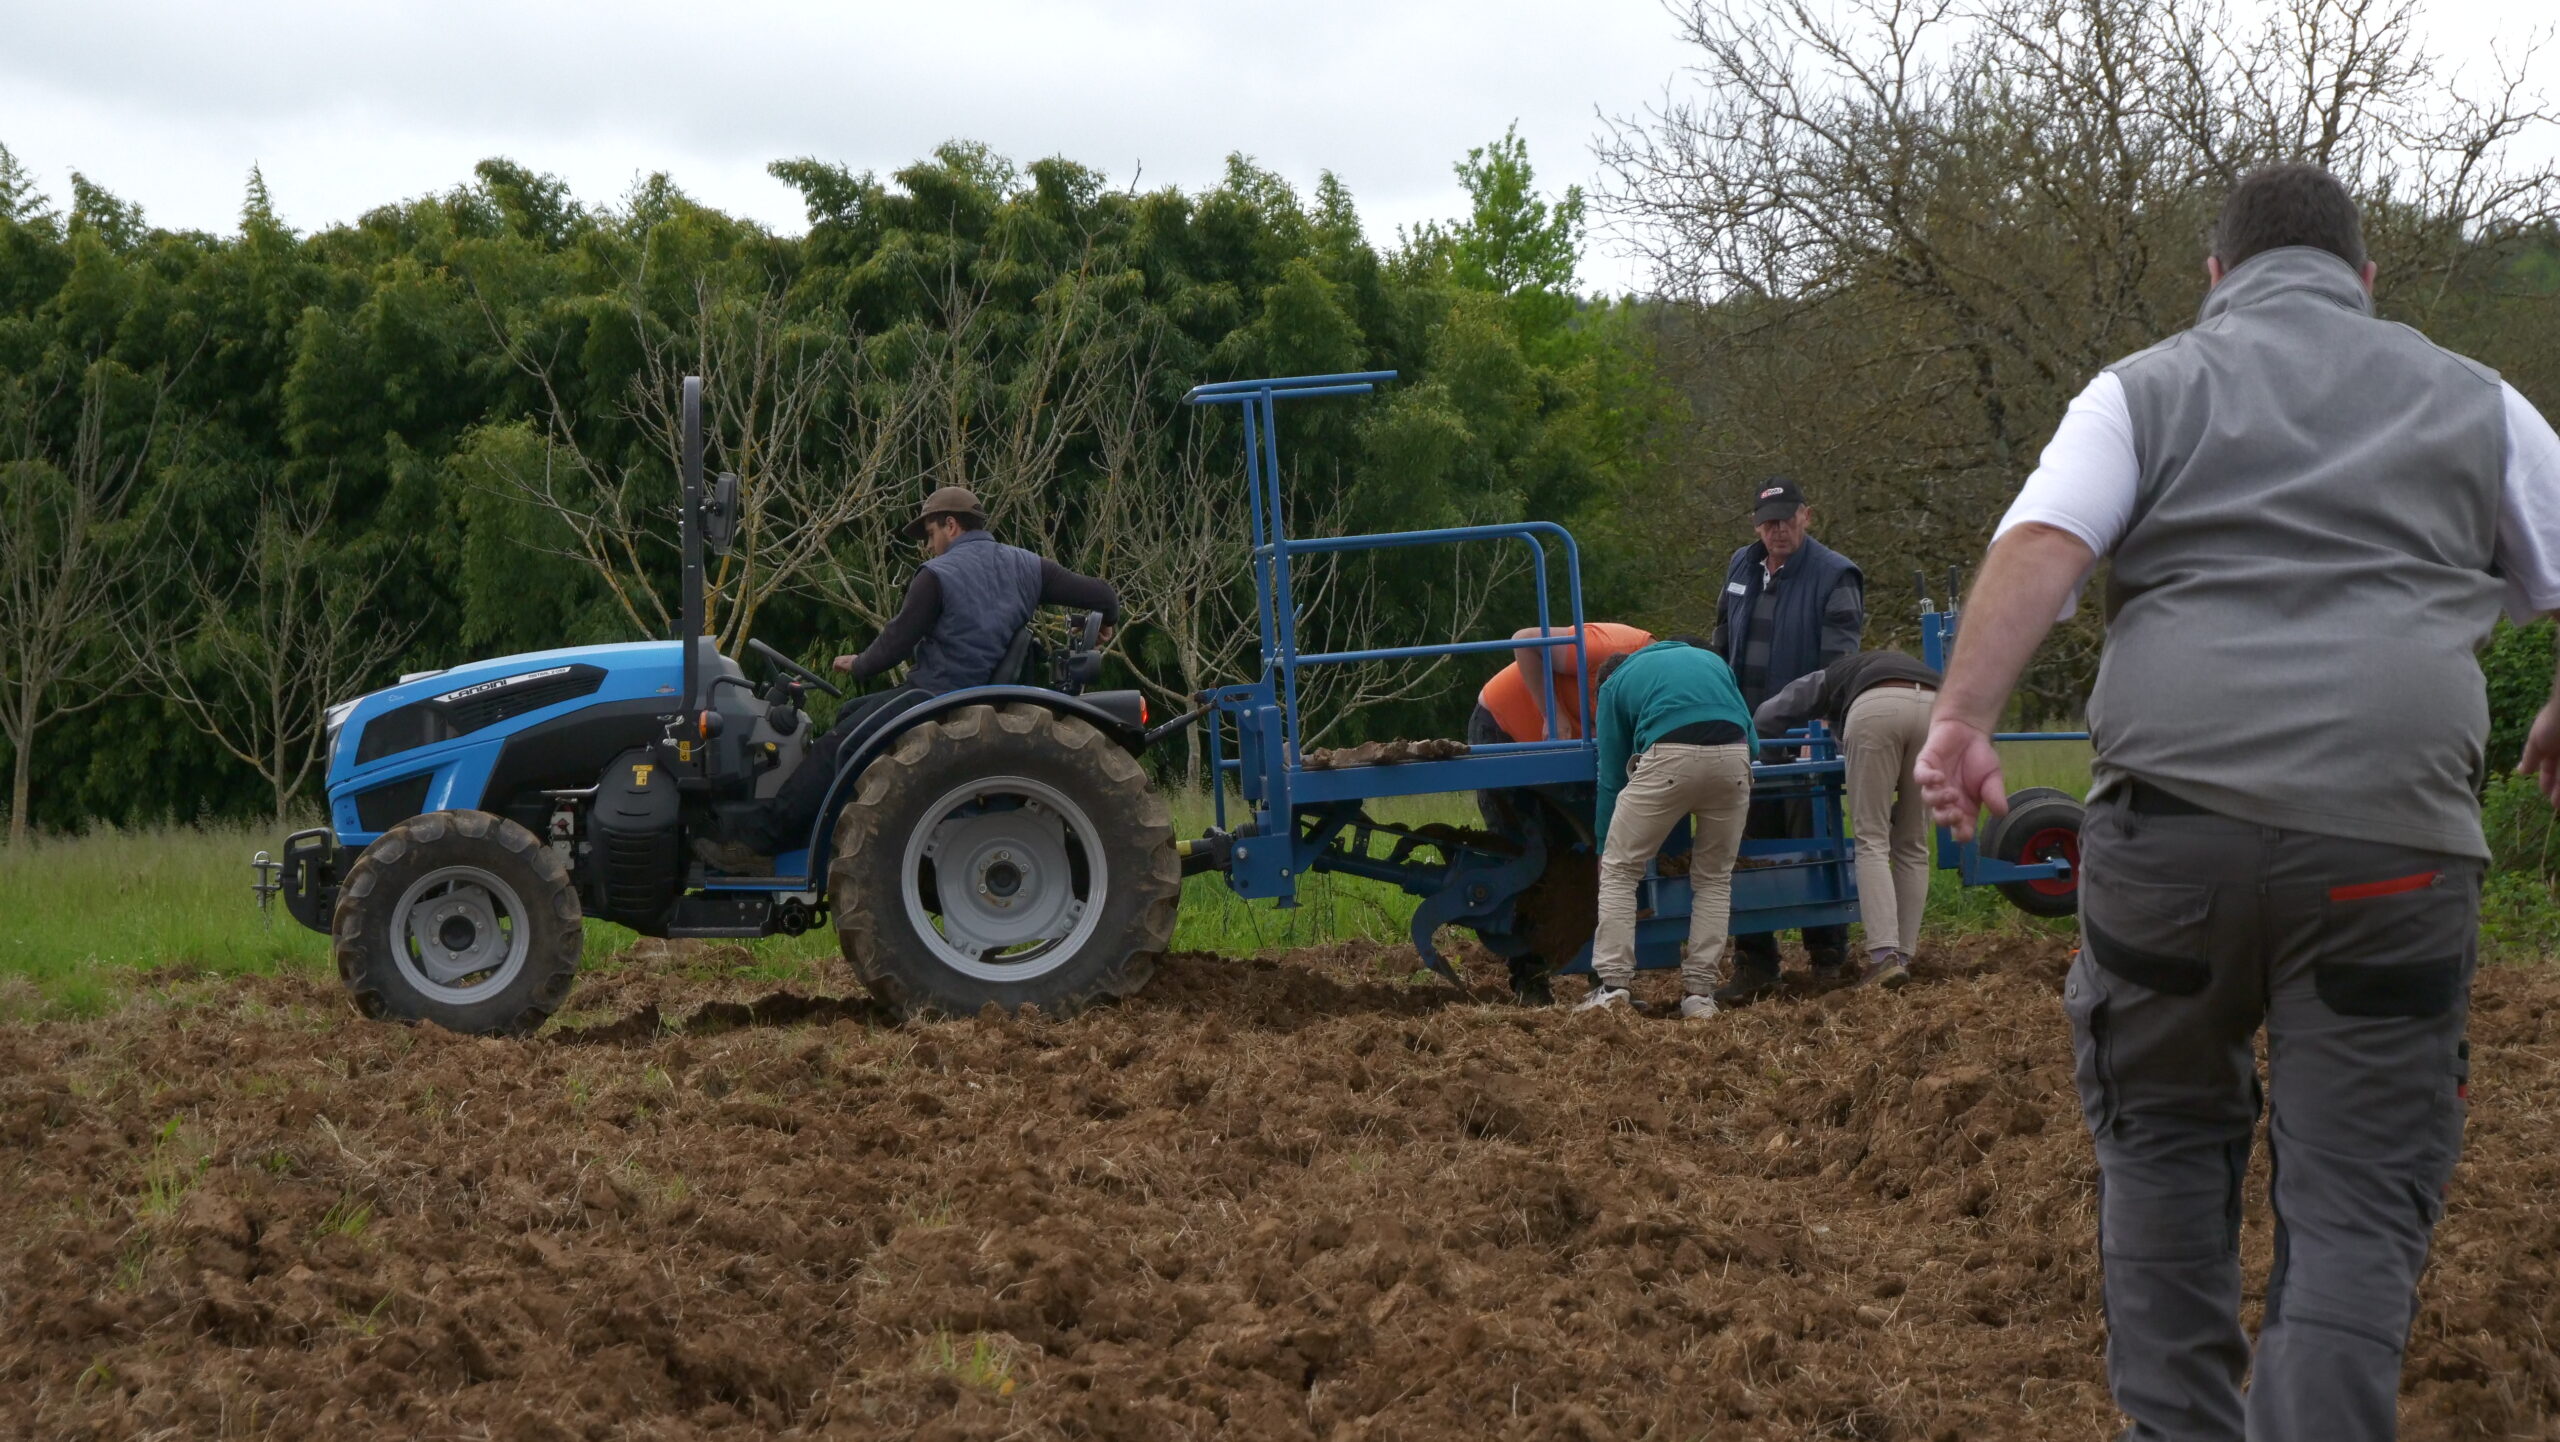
x: 19, y: 773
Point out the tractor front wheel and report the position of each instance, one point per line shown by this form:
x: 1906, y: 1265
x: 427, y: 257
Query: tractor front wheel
x: 1011, y: 856
x: 460, y: 918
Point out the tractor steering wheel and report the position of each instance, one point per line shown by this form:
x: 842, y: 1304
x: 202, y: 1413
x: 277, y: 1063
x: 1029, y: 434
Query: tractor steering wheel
x: 794, y: 669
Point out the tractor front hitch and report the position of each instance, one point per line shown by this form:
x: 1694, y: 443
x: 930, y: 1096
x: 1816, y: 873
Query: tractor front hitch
x: 306, y: 876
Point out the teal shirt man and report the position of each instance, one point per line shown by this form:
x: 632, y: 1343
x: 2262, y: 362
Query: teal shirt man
x: 1669, y: 691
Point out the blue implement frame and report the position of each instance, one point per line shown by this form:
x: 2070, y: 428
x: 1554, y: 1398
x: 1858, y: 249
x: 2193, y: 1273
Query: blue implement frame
x: 1299, y: 819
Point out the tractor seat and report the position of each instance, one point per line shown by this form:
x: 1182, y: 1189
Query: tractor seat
x: 1017, y: 659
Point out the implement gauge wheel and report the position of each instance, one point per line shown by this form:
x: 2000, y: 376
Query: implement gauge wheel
x: 460, y: 918
x: 1007, y: 855
x: 2043, y: 824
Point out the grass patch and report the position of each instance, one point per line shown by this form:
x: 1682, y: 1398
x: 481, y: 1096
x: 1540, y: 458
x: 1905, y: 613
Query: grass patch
x: 85, y: 912
x: 346, y: 1217
x: 986, y: 1363
x: 178, y: 1156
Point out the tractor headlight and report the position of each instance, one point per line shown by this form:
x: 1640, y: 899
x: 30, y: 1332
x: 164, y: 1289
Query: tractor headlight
x: 331, y: 720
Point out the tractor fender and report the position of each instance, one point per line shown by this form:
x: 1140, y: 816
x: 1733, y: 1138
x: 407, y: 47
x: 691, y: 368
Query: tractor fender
x: 1124, y: 730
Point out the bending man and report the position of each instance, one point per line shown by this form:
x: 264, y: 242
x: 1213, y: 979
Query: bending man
x: 1675, y: 741
x: 1878, y: 702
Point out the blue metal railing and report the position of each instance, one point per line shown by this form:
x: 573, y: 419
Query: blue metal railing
x: 1275, y: 604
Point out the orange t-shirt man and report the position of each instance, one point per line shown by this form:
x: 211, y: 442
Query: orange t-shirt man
x: 1510, y: 700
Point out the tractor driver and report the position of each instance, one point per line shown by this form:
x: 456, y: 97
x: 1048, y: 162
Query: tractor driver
x: 960, y: 616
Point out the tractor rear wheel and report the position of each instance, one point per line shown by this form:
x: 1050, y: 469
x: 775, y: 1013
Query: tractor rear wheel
x: 1010, y: 856
x: 460, y: 918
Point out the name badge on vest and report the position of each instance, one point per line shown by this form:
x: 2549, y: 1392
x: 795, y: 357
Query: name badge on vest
x: 1733, y: 588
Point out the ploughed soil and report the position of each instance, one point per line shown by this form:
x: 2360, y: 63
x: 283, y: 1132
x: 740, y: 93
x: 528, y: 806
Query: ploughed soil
x: 1295, y: 1197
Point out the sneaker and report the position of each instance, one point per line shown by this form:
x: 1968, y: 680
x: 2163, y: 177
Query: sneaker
x: 733, y: 858
x: 1606, y: 998
x: 1886, y: 969
x: 1746, y: 985
x: 1697, y: 1008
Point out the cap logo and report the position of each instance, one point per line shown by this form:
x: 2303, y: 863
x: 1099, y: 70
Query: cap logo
x: 1773, y: 491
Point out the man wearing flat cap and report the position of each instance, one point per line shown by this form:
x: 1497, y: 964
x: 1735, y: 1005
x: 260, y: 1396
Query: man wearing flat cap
x: 960, y: 616
x: 1790, y: 607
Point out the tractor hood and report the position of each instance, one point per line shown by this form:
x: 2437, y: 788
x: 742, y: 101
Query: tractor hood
x: 404, y: 728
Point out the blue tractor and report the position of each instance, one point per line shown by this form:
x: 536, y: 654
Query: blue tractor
x: 999, y: 844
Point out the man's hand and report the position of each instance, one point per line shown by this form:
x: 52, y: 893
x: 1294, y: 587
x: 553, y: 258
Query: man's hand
x: 2025, y: 579
x: 844, y: 663
x: 1959, y: 771
x: 2542, y: 752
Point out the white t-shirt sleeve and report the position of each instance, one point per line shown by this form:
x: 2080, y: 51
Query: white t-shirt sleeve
x: 2528, y: 545
x: 2086, y: 480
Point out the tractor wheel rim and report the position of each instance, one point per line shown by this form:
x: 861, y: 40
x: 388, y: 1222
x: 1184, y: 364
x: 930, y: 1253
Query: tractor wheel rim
x: 460, y: 935
x: 2054, y: 843
x: 1018, y: 879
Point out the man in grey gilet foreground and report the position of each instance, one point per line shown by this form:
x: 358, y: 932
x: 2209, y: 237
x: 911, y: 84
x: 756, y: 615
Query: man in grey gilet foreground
x: 958, y: 619
x: 2313, y: 517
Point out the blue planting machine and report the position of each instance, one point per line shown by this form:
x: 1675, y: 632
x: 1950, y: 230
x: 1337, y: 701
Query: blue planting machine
x: 1001, y: 844
x: 1525, y: 885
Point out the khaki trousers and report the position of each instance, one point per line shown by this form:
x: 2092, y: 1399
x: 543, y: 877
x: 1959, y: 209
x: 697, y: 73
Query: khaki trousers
x: 1711, y: 785
x: 1880, y: 741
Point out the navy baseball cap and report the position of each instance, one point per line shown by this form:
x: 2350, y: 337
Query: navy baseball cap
x: 1775, y: 499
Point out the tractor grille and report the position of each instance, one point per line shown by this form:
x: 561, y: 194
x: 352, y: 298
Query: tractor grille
x: 387, y: 806
x: 473, y: 708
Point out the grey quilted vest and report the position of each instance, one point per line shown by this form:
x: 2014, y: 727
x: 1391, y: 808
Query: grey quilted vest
x: 989, y: 590
x: 2298, y: 599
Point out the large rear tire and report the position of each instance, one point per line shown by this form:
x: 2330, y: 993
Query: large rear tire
x: 1010, y: 856
x: 460, y: 918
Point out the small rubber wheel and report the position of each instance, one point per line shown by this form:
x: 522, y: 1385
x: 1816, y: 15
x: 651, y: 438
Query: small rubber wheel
x: 1010, y: 856
x: 2042, y: 825
x: 460, y: 918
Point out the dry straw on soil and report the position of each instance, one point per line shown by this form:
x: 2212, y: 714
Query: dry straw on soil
x: 1270, y: 1199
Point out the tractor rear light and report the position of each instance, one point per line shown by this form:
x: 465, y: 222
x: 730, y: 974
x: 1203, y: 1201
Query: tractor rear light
x: 1142, y: 710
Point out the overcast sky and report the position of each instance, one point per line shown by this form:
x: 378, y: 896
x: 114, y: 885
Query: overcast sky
x: 349, y: 104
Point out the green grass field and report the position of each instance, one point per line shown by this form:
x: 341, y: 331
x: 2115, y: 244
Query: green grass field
x: 86, y: 919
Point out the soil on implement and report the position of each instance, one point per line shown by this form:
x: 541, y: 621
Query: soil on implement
x: 1295, y: 1197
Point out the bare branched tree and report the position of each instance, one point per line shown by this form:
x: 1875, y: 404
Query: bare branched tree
x: 988, y: 399
x: 798, y: 411
x: 273, y: 638
x: 76, y: 447
x: 1901, y: 233
x: 1169, y: 531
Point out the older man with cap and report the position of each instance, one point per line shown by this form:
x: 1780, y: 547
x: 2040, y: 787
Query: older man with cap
x: 960, y: 616
x: 1790, y: 606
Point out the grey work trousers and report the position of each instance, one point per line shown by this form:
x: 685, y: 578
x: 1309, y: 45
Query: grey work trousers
x: 2356, y: 956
